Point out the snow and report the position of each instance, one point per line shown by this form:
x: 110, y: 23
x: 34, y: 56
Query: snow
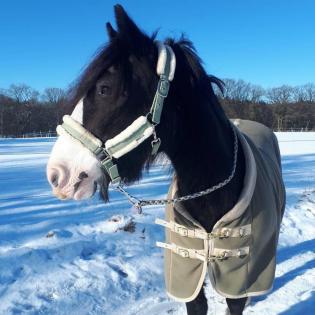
x: 296, y: 143
x: 66, y: 257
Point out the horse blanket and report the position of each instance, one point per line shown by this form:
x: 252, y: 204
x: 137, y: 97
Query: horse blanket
x: 240, y: 252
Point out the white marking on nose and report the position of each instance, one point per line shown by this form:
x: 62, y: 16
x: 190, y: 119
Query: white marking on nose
x: 75, y: 159
x: 77, y: 113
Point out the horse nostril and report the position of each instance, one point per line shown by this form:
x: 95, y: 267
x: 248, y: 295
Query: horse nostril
x: 83, y: 175
x: 54, y: 180
x: 76, y: 186
x: 58, y: 176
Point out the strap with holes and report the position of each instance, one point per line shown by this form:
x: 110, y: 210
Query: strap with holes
x: 182, y: 230
x: 201, y: 254
x: 184, y: 252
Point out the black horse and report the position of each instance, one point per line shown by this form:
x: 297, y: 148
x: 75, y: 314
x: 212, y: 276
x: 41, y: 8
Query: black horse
x: 117, y: 87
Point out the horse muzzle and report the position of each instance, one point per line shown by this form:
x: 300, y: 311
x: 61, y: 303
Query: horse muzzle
x: 69, y: 183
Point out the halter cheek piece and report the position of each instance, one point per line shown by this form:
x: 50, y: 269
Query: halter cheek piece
x: 136, y: 133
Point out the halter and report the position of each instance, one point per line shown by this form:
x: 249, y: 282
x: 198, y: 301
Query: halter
x: 136, y: 133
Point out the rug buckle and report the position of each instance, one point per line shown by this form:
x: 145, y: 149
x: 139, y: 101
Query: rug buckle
x: 183, y: 253
x: 182, y: 231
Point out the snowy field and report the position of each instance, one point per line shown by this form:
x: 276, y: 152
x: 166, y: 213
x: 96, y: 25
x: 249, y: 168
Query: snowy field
x: 89, y: 258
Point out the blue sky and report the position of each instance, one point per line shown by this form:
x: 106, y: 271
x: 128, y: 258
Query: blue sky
x: 46, y: 43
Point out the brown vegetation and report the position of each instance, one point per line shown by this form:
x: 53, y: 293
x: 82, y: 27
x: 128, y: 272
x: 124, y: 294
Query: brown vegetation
x: 24, y: 110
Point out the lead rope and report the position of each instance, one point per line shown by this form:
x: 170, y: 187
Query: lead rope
x: 139, y: 203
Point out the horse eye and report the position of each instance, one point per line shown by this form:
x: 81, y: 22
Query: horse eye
x: 105, y: 90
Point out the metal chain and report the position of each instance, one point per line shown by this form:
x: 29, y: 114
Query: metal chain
x: 135, y: 201
x: 139, y: 203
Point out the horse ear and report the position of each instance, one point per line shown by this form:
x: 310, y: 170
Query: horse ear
x: 127, y: 29
x: 110, y: 31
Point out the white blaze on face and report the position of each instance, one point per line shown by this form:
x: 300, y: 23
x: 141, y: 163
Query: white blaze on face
x: 77, y: 113
x: 69, y: 159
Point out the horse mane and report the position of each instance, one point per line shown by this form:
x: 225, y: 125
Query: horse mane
x: 110, y: 54
x: 200, y: 84
x: 194, y: 61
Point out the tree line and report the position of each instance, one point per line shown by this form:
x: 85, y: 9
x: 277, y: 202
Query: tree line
x: 24, y: 110
x: 280, y: 108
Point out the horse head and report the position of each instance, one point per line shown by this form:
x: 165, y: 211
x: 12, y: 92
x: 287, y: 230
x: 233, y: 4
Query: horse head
x: 115, y: 91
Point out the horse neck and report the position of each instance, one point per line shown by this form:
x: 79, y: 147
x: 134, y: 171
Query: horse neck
x: 203, y: 157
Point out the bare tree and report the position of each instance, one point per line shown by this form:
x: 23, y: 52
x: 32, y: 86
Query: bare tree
x: 53, y: 95
x: 299, y: 94
x: 280, y: 95
x: 22, y: 93
x: 309, y: 90
x: 237, y: 90
x: 230, y: 89
x: 242, y: 90
x: 256, y: 93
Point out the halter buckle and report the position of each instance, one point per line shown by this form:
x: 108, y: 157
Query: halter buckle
x: 163, y: 87
x: 112, y: 170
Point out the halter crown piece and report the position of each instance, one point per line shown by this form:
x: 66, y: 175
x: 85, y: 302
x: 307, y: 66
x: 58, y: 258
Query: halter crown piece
x: 136, y: 133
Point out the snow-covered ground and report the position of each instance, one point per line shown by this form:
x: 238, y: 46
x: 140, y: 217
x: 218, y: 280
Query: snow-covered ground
x: 89, y: 258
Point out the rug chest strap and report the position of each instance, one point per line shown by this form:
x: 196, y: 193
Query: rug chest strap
x: 202, y: 254
x: 182, y: 230
x: 184, y: 252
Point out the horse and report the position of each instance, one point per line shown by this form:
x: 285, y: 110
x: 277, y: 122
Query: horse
x: 139, y: 98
